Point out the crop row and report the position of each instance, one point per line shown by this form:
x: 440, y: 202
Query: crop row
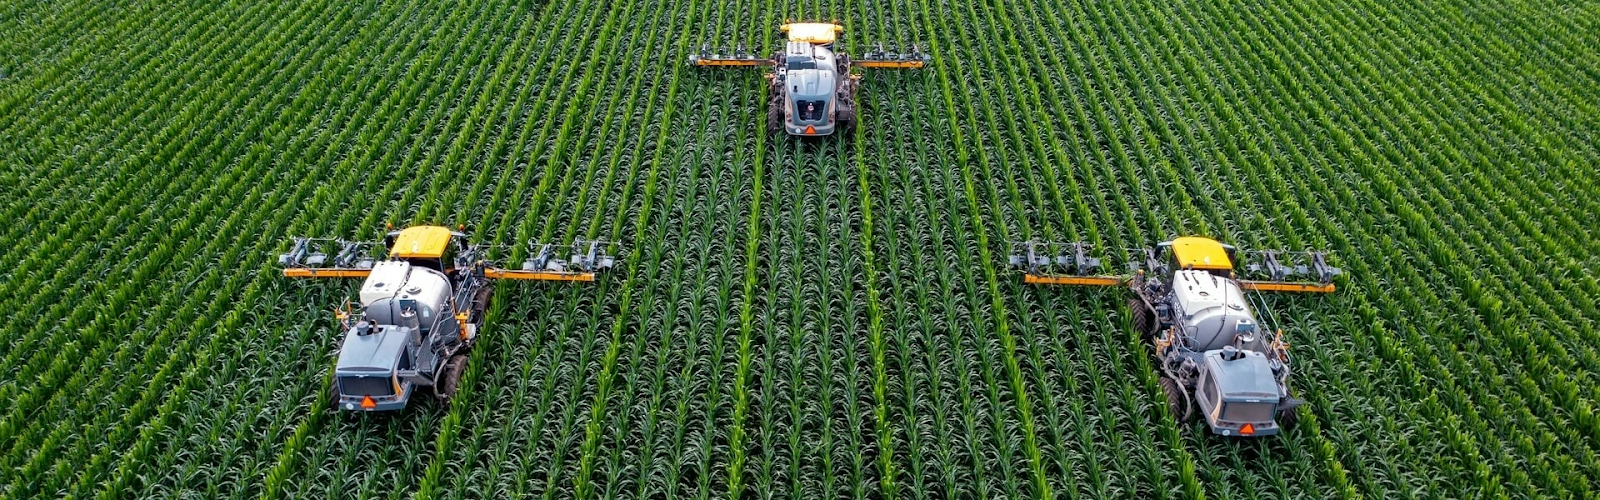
x: 796, y: 318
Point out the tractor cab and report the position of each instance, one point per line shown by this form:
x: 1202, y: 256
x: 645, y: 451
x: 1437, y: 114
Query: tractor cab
x: 433, y: 247
x: 1239, y: 393
x: 810, y: 74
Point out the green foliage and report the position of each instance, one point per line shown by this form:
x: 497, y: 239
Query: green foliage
x: 796, y: 318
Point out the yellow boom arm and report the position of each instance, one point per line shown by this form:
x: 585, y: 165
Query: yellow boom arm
x: 729, y: 61
x: 1037, y: 279
x: 328, y: 272
x: 1276, y: 286
x: 904, y: 64
x: 537, y: 275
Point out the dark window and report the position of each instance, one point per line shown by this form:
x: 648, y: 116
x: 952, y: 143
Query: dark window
x: 1247, y: 412
x: 365, y: 386
x: 800, y: 63
x: 812, y: 110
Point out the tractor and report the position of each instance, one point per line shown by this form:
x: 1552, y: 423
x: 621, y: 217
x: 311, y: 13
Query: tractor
x: 811, y: 91
x: 420, y: 307
x: 1212, y: 348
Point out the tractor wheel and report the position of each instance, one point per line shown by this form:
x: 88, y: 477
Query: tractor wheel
x: 845, y: 119
x: 775, y: 113
x: 450, y: 379
x: 846, y: 116
x: 333, y: 396
x: 1287, y: 419
x: 1143, y: 321
x: 1177, y: 399
x: 480, y: 303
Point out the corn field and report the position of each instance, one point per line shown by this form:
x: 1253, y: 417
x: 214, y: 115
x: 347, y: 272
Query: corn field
x: 797, y: 318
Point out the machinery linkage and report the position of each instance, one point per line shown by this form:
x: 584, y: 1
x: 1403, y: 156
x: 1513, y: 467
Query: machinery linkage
x: 584, y: 255
x: 878, y: 57
x: 1270, y: 264
x: 1261, y: 267
x: 312, y: 253
x: 580, y: 260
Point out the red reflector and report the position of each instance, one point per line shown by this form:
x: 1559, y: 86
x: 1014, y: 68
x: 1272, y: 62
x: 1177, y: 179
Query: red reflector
x: 367, y: 403
x: 811, y: 129
x: 1247, y: 430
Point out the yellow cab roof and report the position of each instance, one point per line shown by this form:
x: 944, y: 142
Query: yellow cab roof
x: 820, y: 33
x: 420, y: 242
x: 1194, y: 252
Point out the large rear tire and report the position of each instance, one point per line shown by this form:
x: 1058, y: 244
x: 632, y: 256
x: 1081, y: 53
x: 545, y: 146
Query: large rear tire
x: 1287, y: 419
x: 450, y: 378
x: 775, y: 107
x: 1177, y: 399
x: 1144, y: 321
x: 333, y: 396
x: 775, y: 114
x: 480, y: 303
x: 845, y: 117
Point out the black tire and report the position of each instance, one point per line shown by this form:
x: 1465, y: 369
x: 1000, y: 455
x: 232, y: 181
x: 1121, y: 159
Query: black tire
x: 1144, y: 320
x: 775, y: 115
x: 332, y: 392
x: 450, y: 378
x: 333, y: 396
x: 480, y: 303
x: 1177, y: 399
x: 775, y: 107
x: 1287, y: 419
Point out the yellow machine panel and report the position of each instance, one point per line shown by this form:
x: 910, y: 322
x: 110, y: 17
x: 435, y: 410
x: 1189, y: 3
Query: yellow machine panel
x: 420, y: 242
x: 1193, y: 252
x: 818, y: 33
